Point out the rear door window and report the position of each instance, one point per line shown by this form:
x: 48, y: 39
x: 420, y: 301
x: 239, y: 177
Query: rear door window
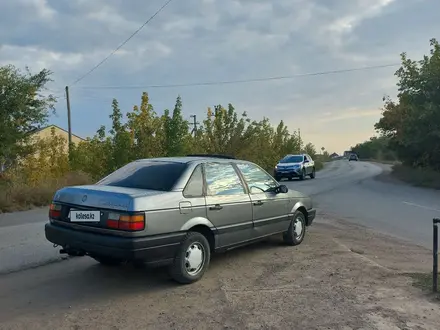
x: 222, y: 179
x: 151, y: 175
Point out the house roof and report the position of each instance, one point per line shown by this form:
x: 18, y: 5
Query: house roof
x: 49, y: 126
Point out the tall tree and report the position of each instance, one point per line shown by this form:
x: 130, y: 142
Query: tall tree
x: 146, y: 129
x: 175, y: 131
x: 121, y: 151
x: 412, y: 123
x: 310, y: 149
x: 375, y: 148
x: 23, y: 108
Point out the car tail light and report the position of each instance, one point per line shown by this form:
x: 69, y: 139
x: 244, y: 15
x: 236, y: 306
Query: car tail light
x: 133, y: 222
x: 54, y: 211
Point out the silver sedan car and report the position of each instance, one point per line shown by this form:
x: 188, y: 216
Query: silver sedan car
x: 176, y: 212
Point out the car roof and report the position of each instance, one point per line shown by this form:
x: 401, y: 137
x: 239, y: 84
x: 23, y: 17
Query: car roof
x: 289, y: 155
x: 191, y: 159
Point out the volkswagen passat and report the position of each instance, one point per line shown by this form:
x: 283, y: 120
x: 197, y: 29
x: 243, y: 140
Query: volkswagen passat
x: 176, y: 212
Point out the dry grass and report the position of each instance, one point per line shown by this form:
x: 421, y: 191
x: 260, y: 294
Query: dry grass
x: 18, y: 196
x: 319, y: 165
x: 417, y: 176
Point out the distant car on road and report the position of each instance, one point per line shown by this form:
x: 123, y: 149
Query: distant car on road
x: 295, y: 166
x: 353, y: 157
x: 176, y: 212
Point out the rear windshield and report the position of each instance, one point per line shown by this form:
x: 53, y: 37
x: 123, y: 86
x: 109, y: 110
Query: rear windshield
x: 292, y: 159
x: 146, y: 175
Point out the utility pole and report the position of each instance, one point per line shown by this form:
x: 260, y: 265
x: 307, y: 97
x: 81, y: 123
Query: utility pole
x: 69, y: 125
x: 300, y: 141
x: 194, y: 123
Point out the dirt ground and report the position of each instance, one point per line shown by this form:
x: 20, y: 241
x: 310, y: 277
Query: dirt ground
x: 343, y: 276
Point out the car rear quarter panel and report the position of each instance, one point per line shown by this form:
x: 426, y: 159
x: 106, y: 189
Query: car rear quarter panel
x: 173, y: 213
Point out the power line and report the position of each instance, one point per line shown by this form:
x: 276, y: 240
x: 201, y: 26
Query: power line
x: 228, y: 82
x: 122, y: 45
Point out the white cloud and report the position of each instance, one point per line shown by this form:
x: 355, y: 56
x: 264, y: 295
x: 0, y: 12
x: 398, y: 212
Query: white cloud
x: 350, y: 114
x: 40, y: 7
x: 340, y: 29
x: 209, y: 40
x: 40, y: 58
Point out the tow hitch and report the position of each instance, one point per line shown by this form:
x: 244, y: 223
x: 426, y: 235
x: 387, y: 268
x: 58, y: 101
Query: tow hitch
x: 72, y: 252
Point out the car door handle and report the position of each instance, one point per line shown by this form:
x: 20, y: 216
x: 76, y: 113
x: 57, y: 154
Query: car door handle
x: 216, y: 207
x: 258, y: 203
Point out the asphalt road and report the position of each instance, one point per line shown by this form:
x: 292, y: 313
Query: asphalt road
x: 347, y: 190
x: 365, y: 194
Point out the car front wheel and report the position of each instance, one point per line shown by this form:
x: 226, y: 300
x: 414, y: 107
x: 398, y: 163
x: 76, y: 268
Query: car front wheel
x: 297, y: 229
x: 192, y: 259
x: 303, y: 174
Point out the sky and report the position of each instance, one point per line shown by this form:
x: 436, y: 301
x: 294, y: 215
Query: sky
x: 194, y: 41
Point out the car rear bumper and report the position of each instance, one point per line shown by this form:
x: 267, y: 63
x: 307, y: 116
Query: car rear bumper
x: 311, y: 214
x: 159, y: 249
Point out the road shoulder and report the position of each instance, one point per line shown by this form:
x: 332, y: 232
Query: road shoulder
x: 343, y: 276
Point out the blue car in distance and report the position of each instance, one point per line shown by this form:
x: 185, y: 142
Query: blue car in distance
x: 295, y: 166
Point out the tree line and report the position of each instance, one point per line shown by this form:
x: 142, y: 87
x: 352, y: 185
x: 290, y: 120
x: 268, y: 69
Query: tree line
x: 142, y: 133
x: 410, y: 125
x: 138, y: 133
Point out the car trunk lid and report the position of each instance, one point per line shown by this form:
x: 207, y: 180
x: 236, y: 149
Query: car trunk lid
x: 95, y: 206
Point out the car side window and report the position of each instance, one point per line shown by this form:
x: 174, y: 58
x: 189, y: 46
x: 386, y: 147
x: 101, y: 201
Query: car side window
x: 222, y: 179
x: 257, y: 180
x: 305, y: 158
x: 194, y: 187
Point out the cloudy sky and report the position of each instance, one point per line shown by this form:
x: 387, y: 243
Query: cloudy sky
x: 193, y: 41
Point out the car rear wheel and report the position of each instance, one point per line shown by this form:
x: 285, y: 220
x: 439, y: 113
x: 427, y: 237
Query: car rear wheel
x: 192, y: 259
x: 297, y: 229
x: 107, y: 261
x: 313, y: 174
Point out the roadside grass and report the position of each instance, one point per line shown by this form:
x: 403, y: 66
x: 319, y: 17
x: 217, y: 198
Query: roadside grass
x: 426, y: 178
x: 16, y: 195
x: 423, y: 281
x: 320, y: 160
x: 319, y: 165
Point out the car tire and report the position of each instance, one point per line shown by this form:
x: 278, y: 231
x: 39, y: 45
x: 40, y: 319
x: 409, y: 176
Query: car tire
x: 180, y: 270
x: 107, y: 261
x: 298, y: 223
x: 278, y: 178
x: 303, y: 174
x: 313, y: 174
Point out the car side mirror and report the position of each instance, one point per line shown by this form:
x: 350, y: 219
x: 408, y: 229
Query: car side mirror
x: 282, y: 189
x: 306, y: 160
